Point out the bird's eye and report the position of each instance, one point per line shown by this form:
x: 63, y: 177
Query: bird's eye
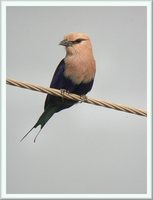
x: 78, y: 41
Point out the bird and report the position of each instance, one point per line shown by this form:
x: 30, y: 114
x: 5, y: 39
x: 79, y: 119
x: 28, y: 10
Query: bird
x: 74, y: 74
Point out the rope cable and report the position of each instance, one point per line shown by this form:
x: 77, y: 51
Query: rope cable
x: 75, y: 97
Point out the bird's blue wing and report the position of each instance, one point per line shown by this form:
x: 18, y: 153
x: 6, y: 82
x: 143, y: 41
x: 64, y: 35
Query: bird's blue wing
x: 56, y: 80
x: 59, y: 81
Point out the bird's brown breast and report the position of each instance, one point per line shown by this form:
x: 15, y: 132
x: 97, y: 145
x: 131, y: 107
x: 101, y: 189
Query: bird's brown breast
x: 80, y: 70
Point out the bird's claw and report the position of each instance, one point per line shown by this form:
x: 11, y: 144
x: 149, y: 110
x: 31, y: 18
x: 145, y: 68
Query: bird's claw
x: 83, y: 98
x: 63, y: 91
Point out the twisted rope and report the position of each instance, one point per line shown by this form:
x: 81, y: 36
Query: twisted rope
x: 75, y: 97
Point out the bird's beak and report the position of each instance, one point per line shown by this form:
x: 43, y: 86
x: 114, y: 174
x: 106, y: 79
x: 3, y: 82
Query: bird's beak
x: 65, y: 43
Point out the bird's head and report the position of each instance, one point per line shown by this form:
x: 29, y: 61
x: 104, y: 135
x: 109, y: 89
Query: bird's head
x: 76, y: 43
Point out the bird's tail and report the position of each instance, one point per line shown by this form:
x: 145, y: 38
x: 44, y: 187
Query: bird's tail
x: 46, y: 115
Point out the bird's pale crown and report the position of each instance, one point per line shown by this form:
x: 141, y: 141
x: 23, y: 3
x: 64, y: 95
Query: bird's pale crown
x: 74, y: 36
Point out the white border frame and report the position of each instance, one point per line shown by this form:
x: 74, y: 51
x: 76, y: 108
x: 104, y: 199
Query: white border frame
x: 4, y: 5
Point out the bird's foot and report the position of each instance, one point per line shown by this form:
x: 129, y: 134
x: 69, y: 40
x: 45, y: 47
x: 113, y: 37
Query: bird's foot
x: 63, y: 91
x: 83, y: 98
